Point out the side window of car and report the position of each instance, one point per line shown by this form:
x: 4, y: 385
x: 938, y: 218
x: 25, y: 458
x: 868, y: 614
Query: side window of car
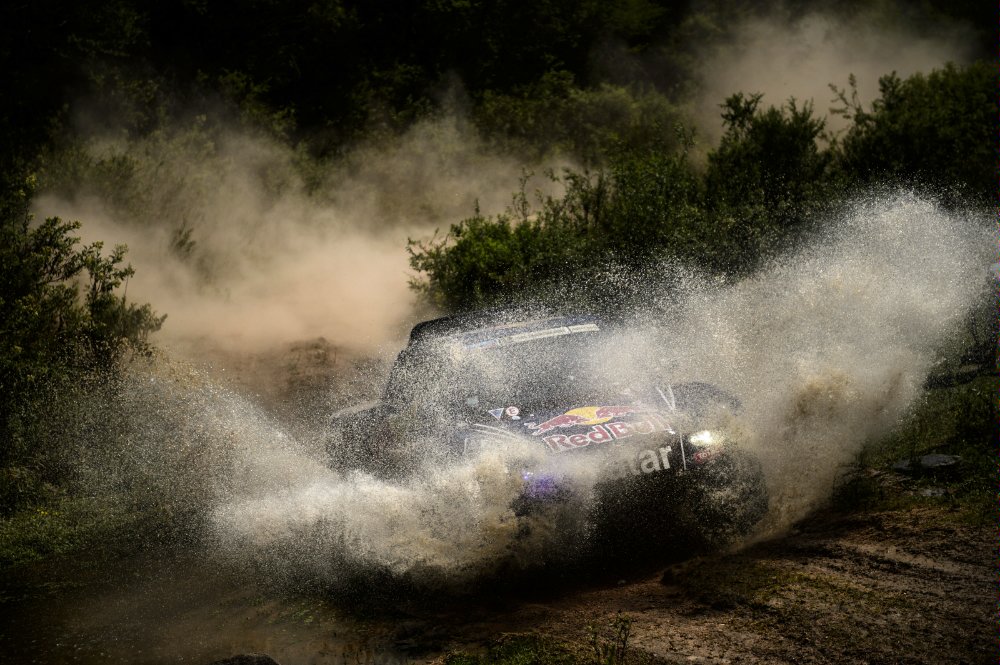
x: 396, y: 389
x: 412, y: 377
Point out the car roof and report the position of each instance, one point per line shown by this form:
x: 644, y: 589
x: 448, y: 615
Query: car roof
x: 483, y: 324
x: 525, y: 331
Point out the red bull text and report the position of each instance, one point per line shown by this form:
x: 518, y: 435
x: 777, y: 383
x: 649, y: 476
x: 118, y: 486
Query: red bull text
x: 606, y: 433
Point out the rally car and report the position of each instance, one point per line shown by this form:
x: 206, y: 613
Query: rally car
x: 657, y: 447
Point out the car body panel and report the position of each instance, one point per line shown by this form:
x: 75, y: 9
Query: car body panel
x: 533, y: 390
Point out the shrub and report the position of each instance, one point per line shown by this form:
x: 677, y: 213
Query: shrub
x: 61, y: 317
x: 647, y: 203
x: 938, y: 130
x: 590, y: 125
x: 772, y: 177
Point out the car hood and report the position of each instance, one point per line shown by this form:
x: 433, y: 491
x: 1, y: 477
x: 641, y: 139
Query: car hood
x: 576, y: 425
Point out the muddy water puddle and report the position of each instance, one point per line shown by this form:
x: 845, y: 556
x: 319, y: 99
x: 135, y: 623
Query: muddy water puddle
x: 177, y: 609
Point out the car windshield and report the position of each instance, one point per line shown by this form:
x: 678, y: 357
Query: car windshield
x: 539, y: 366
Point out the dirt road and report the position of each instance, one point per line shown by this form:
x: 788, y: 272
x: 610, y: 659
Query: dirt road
x: 909, y: 586
x: 913, y: 585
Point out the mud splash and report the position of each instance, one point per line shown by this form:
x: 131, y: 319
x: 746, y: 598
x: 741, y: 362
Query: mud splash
x: 828, y: 348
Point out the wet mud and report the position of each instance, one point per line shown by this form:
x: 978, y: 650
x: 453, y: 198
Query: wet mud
x: 911, y: 586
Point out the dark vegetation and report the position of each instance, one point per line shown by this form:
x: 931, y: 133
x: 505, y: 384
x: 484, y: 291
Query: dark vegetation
x: 955, y: 420
x: 774, y: 174
x: 533, y: 78
x: 63, y: 324
x: 608, y: 644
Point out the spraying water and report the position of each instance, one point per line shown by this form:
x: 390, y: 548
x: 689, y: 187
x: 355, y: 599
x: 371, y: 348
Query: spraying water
x: 828, y: 349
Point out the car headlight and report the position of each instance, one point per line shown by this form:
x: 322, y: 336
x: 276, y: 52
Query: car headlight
x: 706, y: 438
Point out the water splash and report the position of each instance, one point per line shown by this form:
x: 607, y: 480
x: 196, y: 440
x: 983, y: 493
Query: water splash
x: 828, y: 348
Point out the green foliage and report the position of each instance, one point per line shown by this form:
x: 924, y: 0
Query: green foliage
x: 766, y: 159
x: 657, y: 208
x: 554, y: 114
x: 62, y: 526
x: 60, y: 317
x: 519, y: 650
x: 622, y: 216
x: 759, y: 184
x: 766, y: 180
x: 955, y: 420
x: 152, y: 177
x: 938, y: 129
x: 610, y: 646
x: 483, y: 262
x: 773, y: 176
x: 331, y: 69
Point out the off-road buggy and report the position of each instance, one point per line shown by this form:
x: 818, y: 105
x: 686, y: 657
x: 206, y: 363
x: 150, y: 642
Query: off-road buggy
x: 463, y: 383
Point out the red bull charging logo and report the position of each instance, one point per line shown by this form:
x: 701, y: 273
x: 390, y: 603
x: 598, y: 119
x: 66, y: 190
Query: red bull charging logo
x: 581, y: 416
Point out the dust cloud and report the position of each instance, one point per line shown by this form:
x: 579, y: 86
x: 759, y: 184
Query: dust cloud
x: 247, y: 245
x: 244, y: 248
x: 828, y: 349
x: 782, y: 56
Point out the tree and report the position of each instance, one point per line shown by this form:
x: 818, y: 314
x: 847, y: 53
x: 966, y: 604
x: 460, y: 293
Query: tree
x: 938, y: 130
x: 50, y: 332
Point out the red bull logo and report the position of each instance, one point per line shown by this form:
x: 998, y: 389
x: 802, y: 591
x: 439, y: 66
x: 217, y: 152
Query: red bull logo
x: 608, y: 433
x: 582, y: 416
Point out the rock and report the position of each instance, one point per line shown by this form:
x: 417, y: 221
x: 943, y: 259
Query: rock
x: 902, y: 466
x: 933, y: 462
x: 247, y: 659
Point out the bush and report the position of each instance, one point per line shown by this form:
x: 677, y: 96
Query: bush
x: 647, y: 203
x: 589, y: 125
x: 622, y: 216
x: 772, y: 177
x: 61, y: 318
x: 937, y: 130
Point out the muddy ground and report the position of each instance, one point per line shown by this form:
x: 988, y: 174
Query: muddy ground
x: 905, y: 586
x: 911, y: 585
x: 910, y: 578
